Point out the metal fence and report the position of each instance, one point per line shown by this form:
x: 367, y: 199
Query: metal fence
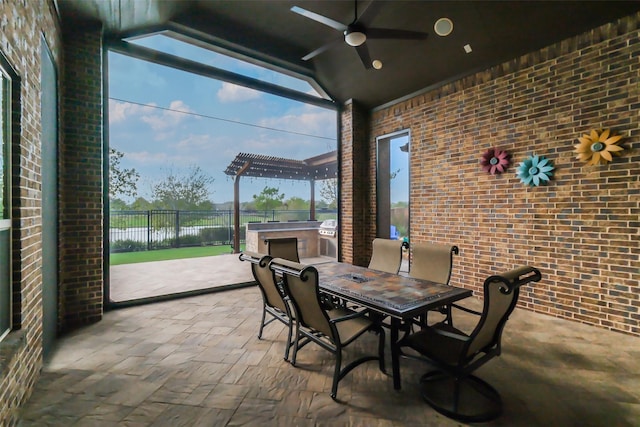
x: 158, y: 229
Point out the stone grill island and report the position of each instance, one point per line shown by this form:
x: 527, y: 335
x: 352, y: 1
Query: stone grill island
x: 306, y: 231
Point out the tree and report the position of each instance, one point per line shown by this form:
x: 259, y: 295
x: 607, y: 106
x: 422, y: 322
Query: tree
x: 329, y: 192
x: 122, y: 181
x: 182, y: 192
x: 297, y: 204
x: 141, y: 204
x: 268, y: 199
x: 116, y: 204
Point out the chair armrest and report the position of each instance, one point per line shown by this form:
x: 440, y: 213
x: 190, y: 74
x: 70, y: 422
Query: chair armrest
x: 468, y: 310
x: 350, y: 316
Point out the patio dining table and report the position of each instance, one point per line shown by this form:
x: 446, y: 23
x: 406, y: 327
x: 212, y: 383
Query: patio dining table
x: 400, y: 298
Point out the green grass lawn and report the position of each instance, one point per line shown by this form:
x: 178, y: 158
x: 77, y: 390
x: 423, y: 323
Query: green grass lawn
x: 166, y: 254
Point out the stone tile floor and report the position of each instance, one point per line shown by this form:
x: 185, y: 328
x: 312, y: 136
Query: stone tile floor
x: 198, y: 362
x: 152, y: 279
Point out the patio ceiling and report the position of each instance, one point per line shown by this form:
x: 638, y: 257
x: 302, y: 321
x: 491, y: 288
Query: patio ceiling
x: 269, y: 32
x: 320, y: 167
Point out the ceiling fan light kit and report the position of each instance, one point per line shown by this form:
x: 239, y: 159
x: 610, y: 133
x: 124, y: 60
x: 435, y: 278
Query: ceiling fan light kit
x: 443, y: 27
x: 354, y: 37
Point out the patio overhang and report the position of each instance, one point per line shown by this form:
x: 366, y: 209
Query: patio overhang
x: 321, y: 167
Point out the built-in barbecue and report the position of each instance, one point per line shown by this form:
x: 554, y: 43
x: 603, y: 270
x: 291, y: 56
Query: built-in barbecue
x: 328, y: 233
x: 328, y: 227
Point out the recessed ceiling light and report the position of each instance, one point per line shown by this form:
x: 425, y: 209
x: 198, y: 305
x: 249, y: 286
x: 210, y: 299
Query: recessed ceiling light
x: 467, y: 48
x: 377, y: 64
x: 443, y: 27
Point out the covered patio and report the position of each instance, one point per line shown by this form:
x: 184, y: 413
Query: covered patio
x: 198, y: 362
x: 531, y: 80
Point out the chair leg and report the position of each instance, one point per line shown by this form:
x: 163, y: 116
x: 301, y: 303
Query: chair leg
x: 336, y: 373
x: 264, y: 316
x: 286, y: 351
x: 295, y: 344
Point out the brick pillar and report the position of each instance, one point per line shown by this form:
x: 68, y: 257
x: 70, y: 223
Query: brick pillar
x: 81, y: 175
x: 355, y: 239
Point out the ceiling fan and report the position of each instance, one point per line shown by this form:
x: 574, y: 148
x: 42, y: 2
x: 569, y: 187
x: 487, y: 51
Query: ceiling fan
x: 356, y: 33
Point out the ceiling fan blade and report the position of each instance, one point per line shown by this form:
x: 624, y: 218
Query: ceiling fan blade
x: 319, y: 18
x: 321, y: 49
x: 363, y: 53
x: 370, y: 11
x: 388, y: 33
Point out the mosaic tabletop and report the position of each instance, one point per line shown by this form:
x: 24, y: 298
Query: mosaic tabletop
x: 391, y: 294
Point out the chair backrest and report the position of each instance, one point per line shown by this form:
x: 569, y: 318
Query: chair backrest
x: 301, y: 285
x: 500, y: 298
x: 432, y: 261
x: 266, y: 281
x: 283, y: 247
x: 386, y: 256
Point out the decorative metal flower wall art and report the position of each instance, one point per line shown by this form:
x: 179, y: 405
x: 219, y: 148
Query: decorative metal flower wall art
x: 535, y: 170
x: 598, y: 147
x: 495, y: 161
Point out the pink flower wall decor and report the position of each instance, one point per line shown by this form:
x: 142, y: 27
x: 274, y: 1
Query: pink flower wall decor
x: 495, y: 161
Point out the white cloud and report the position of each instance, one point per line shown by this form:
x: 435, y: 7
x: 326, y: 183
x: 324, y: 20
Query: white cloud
x: 234, y: 93
x: 163, y: 121
x: 310, y: 123
x: 160, y: 120
x: 121, y: 111
x: 195, y: 142
x: 148, y: 158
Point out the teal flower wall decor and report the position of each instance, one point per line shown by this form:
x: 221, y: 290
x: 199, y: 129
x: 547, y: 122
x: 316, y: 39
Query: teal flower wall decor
x: 535, y: 170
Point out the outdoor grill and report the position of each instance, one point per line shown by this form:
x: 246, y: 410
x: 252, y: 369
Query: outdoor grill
x: 328, y: 228
x: 328, y: 233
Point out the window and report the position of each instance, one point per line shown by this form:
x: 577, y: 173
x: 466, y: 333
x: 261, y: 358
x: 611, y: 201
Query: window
x: 5, y: 197
x: 182, y: 114
x: 182, y: 46
x: 393, y: 185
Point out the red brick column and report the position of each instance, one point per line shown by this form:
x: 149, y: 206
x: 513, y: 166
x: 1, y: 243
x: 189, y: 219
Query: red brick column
x: 355, y: 218
x: 81, y: 192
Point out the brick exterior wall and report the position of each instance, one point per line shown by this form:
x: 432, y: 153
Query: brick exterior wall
x: 81, y: 196
x: 21, y: 28
x: 582, y: 229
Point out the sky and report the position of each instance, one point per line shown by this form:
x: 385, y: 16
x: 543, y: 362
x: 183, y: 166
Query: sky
x: 165, y: 120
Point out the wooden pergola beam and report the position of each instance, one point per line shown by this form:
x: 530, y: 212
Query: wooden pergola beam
x: 236, y: 207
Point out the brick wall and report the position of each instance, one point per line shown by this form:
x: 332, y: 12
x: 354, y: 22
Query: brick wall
x: 582, y: 229
x: 81, y: 197
x: 21, y: 28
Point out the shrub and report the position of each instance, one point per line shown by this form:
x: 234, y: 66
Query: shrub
x: 127, y: 246
x: 212, y: 235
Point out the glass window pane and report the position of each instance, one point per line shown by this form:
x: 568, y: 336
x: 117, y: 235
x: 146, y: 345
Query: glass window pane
x: 165, y: 43
x: 5, y: 281
x: 5, y: 230
x: 399, y: 163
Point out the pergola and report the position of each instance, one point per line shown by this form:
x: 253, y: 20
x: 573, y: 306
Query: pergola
x: 321, y: 167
